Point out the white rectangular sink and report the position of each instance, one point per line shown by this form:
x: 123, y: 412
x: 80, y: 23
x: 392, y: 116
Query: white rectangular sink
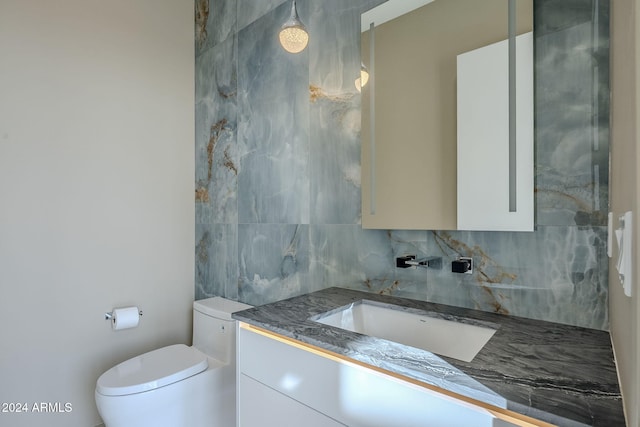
x: 460, y: 338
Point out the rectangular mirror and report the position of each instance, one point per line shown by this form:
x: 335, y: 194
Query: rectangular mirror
x: 410, y: 110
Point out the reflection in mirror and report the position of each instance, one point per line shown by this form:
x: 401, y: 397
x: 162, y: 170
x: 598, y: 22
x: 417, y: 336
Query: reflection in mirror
x: 409, y: 173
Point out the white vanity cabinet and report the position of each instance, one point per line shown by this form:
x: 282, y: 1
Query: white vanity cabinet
x: 264, y: 406
x: 282, y: 382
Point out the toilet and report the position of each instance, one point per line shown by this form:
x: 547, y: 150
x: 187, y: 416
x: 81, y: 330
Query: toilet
x: 178, y: 385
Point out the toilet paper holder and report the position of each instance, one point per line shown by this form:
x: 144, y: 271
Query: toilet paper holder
x: 109, y: 314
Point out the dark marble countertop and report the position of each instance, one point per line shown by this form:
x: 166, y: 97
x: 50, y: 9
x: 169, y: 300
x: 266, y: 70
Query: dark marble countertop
x: 560, y: 374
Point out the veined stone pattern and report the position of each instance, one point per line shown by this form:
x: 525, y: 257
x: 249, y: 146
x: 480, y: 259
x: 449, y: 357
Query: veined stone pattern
x: 277, y: 186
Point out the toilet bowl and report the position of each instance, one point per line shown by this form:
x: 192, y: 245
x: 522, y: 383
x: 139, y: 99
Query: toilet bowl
x: 178, y: 385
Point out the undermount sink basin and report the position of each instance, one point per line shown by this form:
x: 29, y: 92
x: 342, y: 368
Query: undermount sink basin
x: 459, y: 338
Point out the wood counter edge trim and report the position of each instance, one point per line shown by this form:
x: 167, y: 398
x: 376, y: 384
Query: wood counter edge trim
x: 501, y: 413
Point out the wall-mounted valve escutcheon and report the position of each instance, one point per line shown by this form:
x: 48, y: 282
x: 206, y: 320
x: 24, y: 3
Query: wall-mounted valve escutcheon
x: 462, y: 265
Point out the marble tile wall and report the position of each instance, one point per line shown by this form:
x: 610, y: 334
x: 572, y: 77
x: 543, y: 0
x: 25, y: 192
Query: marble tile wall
x: 278, y: 170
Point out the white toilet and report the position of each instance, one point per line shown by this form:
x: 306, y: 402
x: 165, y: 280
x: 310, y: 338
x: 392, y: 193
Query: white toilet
x: 178, y: 385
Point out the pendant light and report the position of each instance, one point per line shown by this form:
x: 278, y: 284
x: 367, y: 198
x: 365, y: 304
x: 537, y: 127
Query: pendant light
x: 293, y: 34
x: 363, y: 79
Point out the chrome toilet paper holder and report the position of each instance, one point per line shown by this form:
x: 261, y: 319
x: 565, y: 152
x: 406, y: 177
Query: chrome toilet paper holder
x: 109, y: 314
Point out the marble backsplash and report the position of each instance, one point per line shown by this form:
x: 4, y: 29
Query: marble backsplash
x: 278, y: 170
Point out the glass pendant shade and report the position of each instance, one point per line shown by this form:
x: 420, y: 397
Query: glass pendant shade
x: 293, y: 34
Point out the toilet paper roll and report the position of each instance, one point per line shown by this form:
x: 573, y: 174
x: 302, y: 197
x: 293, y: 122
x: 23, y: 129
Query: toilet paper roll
x: 125, y: 318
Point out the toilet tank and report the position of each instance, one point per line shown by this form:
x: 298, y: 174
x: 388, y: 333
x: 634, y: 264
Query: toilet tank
x: 214, y: 331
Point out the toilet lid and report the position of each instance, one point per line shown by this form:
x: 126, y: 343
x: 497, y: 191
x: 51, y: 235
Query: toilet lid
x: 151, y: 370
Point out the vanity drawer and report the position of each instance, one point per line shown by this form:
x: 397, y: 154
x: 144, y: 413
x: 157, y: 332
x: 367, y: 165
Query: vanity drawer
x: 347, y: 392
